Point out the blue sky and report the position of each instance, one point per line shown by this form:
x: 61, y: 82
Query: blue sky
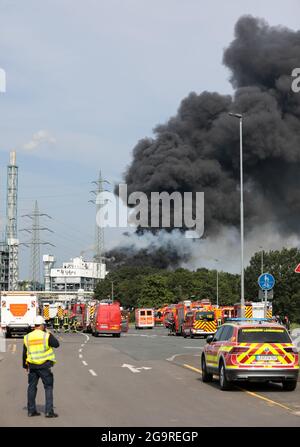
x: 89, y: 79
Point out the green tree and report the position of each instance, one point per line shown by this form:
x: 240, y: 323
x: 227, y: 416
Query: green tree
x: 155, y: 292
x: 281, y: 264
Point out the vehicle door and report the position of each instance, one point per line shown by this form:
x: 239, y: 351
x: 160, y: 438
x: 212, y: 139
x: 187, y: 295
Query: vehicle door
x: 225, y: 342
x: 149, y: 318
x: 213, y: 348
x: 187, y: 324
x: 142, y: 318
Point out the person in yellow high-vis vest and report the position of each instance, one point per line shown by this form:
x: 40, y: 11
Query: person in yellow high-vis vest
x: 38, y: 358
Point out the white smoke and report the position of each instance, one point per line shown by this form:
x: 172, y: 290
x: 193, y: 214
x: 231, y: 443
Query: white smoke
x: 220, y: 252
x: 38, y: 138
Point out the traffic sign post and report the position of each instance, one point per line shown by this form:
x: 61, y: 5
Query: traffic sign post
x: 261, y: 295
x: 266, y: 282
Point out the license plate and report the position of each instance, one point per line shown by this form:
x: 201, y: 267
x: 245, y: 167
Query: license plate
x: 266, y: 358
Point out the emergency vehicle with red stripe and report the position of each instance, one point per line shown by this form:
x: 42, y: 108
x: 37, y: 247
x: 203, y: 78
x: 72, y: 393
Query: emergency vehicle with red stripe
x: 252, y: 350
x: 201, y: 320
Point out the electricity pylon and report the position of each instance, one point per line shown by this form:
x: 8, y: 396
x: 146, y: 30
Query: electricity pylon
x: 35, y: 244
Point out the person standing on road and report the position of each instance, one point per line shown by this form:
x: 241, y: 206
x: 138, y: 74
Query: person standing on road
x: 66, y: 323
x: 38, y: 358
x: 56, y: 324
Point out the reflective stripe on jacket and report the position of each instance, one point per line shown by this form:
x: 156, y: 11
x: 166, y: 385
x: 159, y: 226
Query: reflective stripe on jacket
x: 38, y: 349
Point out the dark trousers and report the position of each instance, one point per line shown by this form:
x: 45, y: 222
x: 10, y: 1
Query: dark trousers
x: 47, y: 378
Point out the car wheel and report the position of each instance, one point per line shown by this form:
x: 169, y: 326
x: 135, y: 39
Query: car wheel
x: 184, y: 334
x: 206, y: 376
x: 289, y: 385
x: 224, y: 383
x: 191, y: 335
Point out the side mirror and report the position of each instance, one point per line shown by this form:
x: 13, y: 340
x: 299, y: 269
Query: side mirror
x: 209, y: 339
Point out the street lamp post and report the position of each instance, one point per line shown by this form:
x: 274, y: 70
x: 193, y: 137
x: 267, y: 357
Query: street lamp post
x: 217, y: 289
x: 240, y: 117
x: 112, y: 291
x: 217, y: 285
x: 262, y: 259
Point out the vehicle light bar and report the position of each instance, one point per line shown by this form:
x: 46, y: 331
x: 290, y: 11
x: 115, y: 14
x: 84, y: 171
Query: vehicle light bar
x: 249, y: 319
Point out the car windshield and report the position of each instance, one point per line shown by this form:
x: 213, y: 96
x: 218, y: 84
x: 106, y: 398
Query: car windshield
x: 207, y: 316
x: 263, y: 335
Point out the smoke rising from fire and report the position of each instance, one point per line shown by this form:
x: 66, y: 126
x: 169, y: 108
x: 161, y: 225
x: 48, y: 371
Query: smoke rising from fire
x: 198, y: 148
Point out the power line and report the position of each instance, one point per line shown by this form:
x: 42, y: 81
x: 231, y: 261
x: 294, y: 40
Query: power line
x: 49, y: 197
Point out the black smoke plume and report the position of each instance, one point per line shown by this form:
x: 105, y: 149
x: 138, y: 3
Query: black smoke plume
x: 198, y: 149
x: 151, y: 256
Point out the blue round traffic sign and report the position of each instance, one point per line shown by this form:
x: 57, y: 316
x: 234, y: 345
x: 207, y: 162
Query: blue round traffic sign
x: 266, y: 281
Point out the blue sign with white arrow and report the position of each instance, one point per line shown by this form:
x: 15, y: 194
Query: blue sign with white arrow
x: 266, y: 281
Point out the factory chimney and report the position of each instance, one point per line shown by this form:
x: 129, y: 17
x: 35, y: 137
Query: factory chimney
x: 11, y: 222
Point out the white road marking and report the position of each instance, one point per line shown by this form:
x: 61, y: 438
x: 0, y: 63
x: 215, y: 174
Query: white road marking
x: 135, y: 369
x: 80, y: 356
x: 193, y: 347
x: 170, y: 359
x: 85, y: 364
x: 79, y: 350
x: 87, y: 338
x: 92, y: 372
x: 82, y: 345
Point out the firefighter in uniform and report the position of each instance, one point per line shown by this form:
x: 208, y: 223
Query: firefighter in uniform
x: 38, y: 358
x: 73, y: 325
x: 61, y: 318
x: 56, y: 324
x: 66, y: 323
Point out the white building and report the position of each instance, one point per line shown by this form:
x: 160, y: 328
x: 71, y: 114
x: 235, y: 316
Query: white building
x: 73, y: 275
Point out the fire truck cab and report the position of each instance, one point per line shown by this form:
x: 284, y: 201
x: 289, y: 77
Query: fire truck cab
x: 199, y: 322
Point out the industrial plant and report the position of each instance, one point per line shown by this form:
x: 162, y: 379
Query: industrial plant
x: 9, y: 274
x: 75, y: 277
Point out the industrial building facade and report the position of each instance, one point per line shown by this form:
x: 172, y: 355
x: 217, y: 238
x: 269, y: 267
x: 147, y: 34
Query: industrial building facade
x: 74, y: 275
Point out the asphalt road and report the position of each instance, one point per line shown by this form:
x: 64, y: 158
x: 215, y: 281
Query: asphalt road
x: 98, y: 383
